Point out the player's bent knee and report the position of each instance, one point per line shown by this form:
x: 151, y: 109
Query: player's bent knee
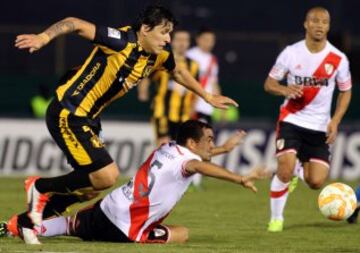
x: 285, y: 168
x: 185, y: 237
x: 315, y: 184
x: 105, y: 177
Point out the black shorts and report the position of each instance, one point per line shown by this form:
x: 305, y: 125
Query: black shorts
x: 92, y: 225
x: 164, y: 127
x: 78, y: 138
x: 309, y: 145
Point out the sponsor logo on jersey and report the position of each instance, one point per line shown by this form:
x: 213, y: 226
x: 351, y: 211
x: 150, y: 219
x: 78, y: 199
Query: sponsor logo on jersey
x: 312, y: 81
x: 329, y: 68
x: 86, y: 79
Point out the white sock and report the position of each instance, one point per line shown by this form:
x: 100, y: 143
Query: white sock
x: 197, y: 179
x: 53, y: 227
x: 299, y: 170
x: 278, y: 196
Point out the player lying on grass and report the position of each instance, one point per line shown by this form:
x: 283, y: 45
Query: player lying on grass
x: 134, y: 212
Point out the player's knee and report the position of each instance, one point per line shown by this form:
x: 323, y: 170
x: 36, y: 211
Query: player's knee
x: 315, y: 184
x: 184, y: 235
x: 105, y: 178
x: 284, y: 174
x: 285, y: 169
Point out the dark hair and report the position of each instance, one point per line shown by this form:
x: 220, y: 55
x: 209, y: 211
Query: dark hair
x: 152, y: 16
x: 203, y: 30
x: 191, y: 129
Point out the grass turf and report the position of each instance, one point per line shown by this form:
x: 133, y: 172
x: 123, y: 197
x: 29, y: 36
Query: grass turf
x: 222, y: 218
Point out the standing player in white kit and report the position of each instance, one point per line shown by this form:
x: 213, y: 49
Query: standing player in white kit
x: 313, y: 68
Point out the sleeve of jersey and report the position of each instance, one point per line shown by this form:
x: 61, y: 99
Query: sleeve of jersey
x: 110, y: 37
x: 343, y: 77
x: 169, y: 62
x: 185, y: 173
x: 280, y: 68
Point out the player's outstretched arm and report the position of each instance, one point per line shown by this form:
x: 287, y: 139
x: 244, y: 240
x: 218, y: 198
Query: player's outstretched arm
x: 233, y: 141
x: 213, y: 170
x: 34, y: 42
x: 273, y: 87
x: 183, y: 77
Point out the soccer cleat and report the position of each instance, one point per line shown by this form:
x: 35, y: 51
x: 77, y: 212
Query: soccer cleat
x: 275, y: 225
x: 29, y: 236
x: 36, y: 201
x: 12, y: 226
x: 353, y: 218
x: 3, y: 229
x: 293, y: 184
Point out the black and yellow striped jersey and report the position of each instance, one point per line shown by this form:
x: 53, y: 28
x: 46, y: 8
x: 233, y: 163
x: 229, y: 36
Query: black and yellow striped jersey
x: 173, y: 101
x: 116, y: 64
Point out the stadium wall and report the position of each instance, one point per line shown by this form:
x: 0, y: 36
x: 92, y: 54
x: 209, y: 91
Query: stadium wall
x: 26, y: 148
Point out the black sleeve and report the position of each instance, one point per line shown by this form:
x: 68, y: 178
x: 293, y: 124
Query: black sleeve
x: 169, y: 63
x: 110, y: 37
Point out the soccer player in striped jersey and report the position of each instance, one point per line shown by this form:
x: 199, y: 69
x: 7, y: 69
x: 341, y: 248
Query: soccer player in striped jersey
x: 313, y: 68
x: 134, y: 212
x: 172, y: 104
x: 120, y: 59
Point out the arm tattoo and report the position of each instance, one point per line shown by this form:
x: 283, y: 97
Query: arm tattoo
x: 59, y: 28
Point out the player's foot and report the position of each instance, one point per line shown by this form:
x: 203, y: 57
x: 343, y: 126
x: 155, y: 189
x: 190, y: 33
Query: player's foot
x: 293, y: 184
x: 12, y: 228
x: 3, y: 229
x: 36, y: 201
x: 275, y: 225
x: 29, y: 236
x: 353, y: 218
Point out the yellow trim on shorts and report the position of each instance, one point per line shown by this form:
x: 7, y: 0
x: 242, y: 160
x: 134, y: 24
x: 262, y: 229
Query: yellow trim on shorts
x: 75, y: 148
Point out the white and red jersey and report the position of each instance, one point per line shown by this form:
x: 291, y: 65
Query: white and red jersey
x: 138, y: 206
x: 318, y: 73
x: 208, y: 76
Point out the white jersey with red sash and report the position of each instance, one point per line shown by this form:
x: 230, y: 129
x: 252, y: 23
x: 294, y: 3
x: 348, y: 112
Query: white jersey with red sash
x: 318, y: 73
x: 138, y: 206
x: 208, y: 75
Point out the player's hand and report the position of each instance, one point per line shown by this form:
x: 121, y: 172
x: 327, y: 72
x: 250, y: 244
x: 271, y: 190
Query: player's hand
x: 219, y: 101
x: 293, y: 91
x: 249, y: 185
x: 256, y: 173
x: 33, y: 42
x: 234, y: 140
x: 259, y: 172
x: 331, y: 133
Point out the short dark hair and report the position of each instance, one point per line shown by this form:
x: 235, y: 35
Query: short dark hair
x: 191, y: 129
x: 204, y: 29
x: 152, y: 16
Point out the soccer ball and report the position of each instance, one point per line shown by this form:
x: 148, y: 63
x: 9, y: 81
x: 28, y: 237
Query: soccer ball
x: 337, y: 201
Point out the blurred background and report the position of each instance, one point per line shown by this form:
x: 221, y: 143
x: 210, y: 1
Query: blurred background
x: 250, y: 35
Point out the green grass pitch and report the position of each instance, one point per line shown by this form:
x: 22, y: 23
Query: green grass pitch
x: 222, y: 218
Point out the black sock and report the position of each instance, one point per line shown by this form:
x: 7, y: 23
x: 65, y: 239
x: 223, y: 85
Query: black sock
x: 58, y: 204
x: 25, y: 221
x: 63, y: 184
